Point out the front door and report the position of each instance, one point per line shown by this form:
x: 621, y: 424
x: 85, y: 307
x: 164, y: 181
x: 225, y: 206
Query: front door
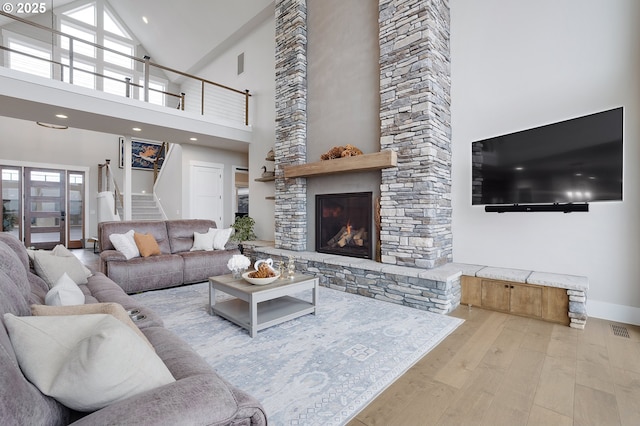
x: 45, y: 201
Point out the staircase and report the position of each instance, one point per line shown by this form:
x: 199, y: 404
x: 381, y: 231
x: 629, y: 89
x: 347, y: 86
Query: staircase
x: 144, y: 207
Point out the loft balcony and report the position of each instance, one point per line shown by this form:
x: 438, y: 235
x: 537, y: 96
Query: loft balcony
x: 167, y: 104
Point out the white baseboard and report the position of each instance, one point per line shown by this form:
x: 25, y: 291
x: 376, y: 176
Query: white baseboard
x: 613, y: 312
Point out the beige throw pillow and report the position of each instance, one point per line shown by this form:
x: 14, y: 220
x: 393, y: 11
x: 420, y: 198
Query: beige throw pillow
x: 114, y: 309
x: 50, y: 268
x: 86, y: 362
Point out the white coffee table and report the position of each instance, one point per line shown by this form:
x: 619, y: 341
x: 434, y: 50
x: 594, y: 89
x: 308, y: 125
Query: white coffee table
x: 257, y: 307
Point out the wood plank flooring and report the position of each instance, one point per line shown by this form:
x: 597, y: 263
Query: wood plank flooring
x: 498, y: 369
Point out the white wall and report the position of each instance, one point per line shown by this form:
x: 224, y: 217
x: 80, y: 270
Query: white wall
x: 258, y: 47
x: 517, y: 65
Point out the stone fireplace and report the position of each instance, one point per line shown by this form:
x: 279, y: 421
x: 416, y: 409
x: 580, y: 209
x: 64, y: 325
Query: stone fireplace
x: 413, y: 199
x: 344, y: 224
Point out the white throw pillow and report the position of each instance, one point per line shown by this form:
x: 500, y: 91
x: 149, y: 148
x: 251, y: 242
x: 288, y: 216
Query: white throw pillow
x: 220, y: 237
x: 65, y: 292
x: 50, y: 268
x: 86, y: 362
x: 125, y: 244
x: 203, y: 241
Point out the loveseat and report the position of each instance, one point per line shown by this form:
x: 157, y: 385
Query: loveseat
x: 198, y: 396
x: 175, y: 265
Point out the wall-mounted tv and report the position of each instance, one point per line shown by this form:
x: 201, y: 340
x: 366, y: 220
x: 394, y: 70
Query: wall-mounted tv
x: 572, y: 161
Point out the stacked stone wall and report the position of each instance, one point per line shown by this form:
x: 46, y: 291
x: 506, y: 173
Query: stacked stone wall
x: 291, y: 122
x: 415, y: 122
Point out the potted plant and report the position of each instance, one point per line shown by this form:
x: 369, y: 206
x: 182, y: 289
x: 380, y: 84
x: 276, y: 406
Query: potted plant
x: 243, y: 227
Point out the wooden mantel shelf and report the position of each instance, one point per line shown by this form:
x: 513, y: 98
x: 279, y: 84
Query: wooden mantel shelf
x: 360, y: 163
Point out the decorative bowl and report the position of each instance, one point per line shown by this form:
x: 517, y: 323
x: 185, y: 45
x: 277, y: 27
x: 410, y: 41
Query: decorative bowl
x: 259, y: 281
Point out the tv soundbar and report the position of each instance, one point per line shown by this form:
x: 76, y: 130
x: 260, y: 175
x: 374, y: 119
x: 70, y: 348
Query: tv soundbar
x: 556, y: 207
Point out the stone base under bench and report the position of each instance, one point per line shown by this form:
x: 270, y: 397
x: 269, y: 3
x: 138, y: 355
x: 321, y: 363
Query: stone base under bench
x: 436, y: 290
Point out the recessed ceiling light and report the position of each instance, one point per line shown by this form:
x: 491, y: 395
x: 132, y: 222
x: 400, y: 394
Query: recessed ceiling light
x: 61, y: 116
x: 137, y: 129
x: 145, y: 20
x: 193, y: 139
x: 51, y: 126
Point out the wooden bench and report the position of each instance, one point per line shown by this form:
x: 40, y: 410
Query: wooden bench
x: 558, y: 298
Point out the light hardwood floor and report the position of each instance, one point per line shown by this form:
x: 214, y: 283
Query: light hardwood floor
x: 498, y: 369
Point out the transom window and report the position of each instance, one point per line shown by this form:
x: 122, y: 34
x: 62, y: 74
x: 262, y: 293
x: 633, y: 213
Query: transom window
x: 82, y: 63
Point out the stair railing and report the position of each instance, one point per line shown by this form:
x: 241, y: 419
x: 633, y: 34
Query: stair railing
x: 237, y: 102
x: 106, y: 182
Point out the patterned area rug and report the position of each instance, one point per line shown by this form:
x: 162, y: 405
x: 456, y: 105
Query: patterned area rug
x: 315, y: 370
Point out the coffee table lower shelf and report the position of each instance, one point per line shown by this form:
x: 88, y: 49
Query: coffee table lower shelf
x: 270, y: 312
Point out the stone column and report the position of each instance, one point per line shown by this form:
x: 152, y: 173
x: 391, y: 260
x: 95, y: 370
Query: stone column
x: 415, y: 86
x: 291, y: 123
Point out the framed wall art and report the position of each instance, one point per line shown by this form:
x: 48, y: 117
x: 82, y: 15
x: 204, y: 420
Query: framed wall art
x: 143, y: 154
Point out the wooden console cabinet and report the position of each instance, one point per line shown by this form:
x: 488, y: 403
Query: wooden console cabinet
x: 534, y: 301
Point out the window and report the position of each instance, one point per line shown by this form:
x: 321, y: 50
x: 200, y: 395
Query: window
x: 75, y: 58
x: 156, y: 88
x: 29, y: 62
x: 114, y: 58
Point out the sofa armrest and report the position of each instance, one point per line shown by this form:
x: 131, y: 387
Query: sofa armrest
x: 107, y: 256
x: 196, y: 400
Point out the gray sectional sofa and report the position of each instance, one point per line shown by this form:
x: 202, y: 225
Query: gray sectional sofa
x: 197, y: 397
x: 175, y: 266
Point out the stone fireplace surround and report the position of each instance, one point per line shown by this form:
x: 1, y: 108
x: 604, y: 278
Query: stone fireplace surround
x: 415, y: 197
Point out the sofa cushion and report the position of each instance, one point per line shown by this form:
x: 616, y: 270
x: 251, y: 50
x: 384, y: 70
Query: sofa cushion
x: 125, y: 244
x: 147, y: 245
x: 18, y: 248
x: 200, y: 265
x: 147, y: 273
x: 180, y: 232
x: 14, y: 269
x: 85, y: 362
x: 64, y: 292
x: 50, y: 267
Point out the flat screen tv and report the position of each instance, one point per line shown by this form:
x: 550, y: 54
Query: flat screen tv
x: 572, y: 161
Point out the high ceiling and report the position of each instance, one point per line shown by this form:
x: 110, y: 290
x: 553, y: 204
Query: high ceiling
x: 182, y: 33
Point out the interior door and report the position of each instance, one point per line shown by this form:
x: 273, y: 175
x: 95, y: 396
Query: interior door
x: 206, y: 187
x: 45, y: 201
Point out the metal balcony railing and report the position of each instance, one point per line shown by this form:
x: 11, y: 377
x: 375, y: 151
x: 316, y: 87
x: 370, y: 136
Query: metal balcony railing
x: 210, y: 99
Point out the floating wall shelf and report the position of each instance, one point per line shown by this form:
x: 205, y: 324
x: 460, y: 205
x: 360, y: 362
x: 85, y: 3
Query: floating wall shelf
x: 360, y: 163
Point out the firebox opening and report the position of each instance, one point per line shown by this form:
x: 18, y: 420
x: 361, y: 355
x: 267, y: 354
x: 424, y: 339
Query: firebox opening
x: 344, y: 224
